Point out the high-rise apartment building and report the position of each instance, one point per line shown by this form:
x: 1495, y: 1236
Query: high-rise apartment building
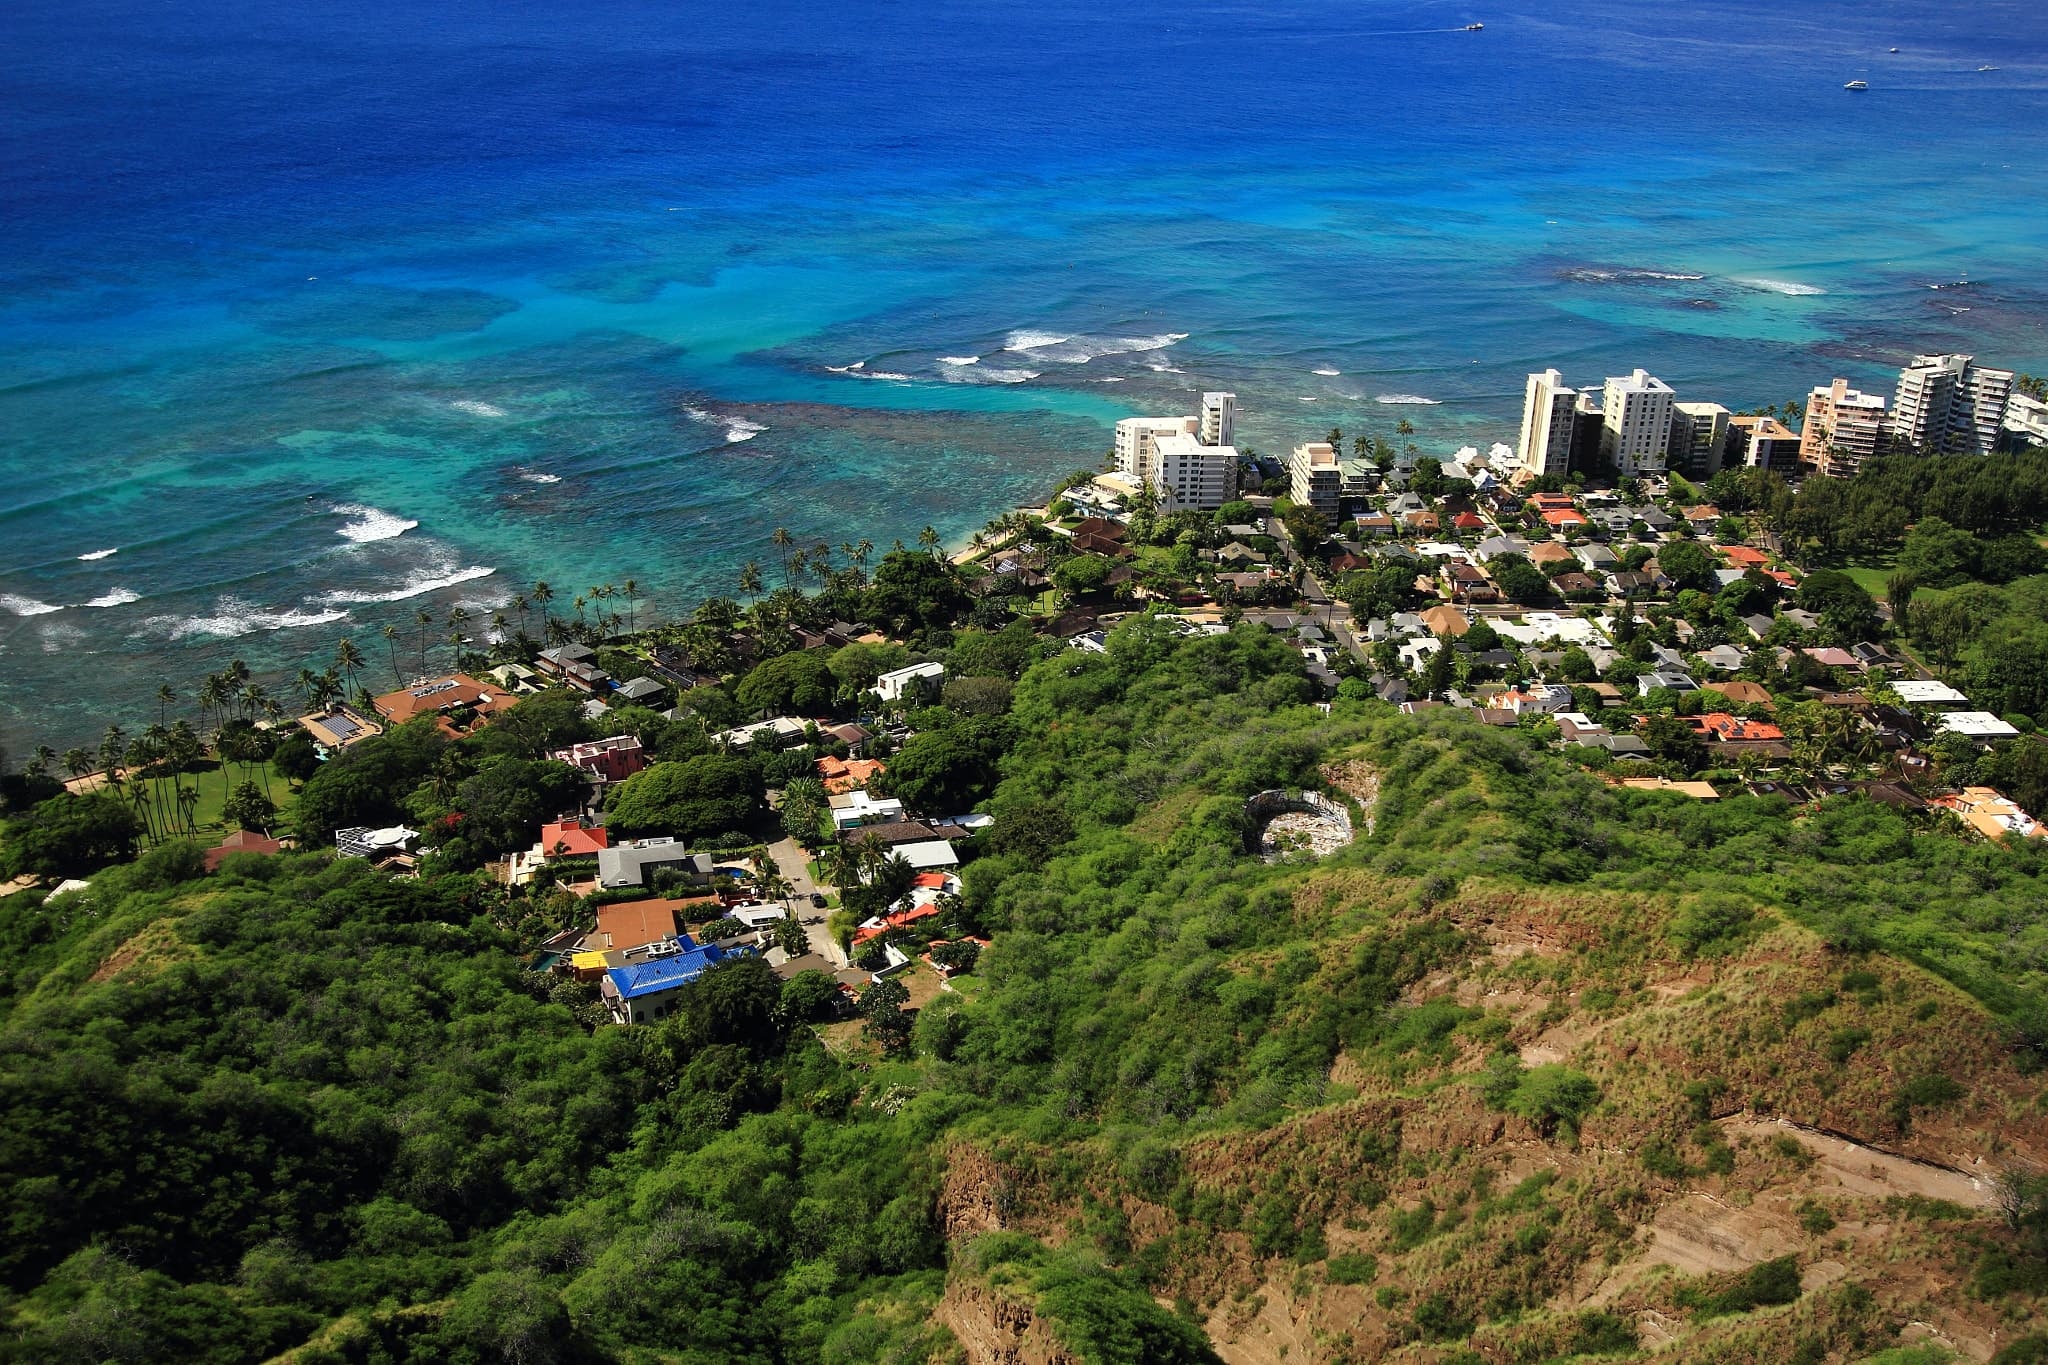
x: 1949, y: 404
x: 1699, y: 439
x: 1219, y: 419
x: 1189, y: 475
x: 1765, y: 443
x: 1135, y: 437
x: 1547, y: 424
x: 1636, y: 425
x: 1316, y: 479
x: 1843, y: 429
x: 2026, y: 421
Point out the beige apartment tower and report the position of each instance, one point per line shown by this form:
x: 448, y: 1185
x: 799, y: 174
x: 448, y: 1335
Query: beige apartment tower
x: 1843, y: 429
x: 1547, y: 422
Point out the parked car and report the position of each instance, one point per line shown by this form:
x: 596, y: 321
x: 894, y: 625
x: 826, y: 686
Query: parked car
x: 818, y: 899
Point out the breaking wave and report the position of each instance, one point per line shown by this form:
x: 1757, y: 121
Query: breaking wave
x: 1591, y: 275
x: 118, y: 597
x: 1415, y: 399
x: 1788, y: 288
x: 531, y: 477
x: 232, y: 617
x: 961, y: 374
x: 959, y: 360
x: 1327, y: 372
x: 431, y: 579
x: 100, y: 554
x: 737, y: 429
x: 1074, y: 349
x: 26, y: 606
x: 477, y: 408
x: 370, y: 523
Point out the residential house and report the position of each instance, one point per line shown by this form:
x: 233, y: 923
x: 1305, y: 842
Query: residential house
x: 893, y: 833
x: 1928, y: 692
x: 241, y: 841
x: 845, y: 774
x: 571, y: 839
x: 854, y: 737
x: 1745, y: 558
x: 1467, y: 523
x: 1445, y: 620
x: 1722, y: 658
x: 575, y: 665
x: 1634, y: 583
x: 1676, y: 681
x: 1495, y: 546
x: 635, y: 924
x: 1742, y: 693
x: 516, y: 678
x: 1577, y: 586
x: 914, y: 679
x: 1536, y: 699
x: 1723, y: 728
x: 1979, y: 725
x: 1376, y: 524
x: 634, y: 862
x: 1991, y: 815
x: 1703, y: 519
x: 641, y: 691
x: 339, y: 726
x: 1421, y: 522
x: 782, y: 730
x: 458, y: 703
x: 377, y: 845
x: 645, y: 992
x: 1564, y: 519
x: 1463, y: 583
x: 854, y: 808
x: 1546, y: 553
x: 1698, y: 791
x: 1597, y: 557
x: 605, y: 760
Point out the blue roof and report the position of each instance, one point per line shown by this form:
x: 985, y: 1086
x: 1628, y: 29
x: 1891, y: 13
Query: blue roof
x: 664, y: 973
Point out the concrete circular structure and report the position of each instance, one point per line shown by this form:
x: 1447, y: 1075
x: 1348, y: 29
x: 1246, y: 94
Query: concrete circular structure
x: 1284, y: 822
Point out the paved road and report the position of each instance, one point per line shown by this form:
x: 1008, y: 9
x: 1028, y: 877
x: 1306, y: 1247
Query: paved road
x: 794, y: 864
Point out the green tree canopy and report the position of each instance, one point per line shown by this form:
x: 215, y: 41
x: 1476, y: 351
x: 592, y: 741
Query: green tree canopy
x: 798, y: 683
x: 694, y: 799
x: 69, y: 836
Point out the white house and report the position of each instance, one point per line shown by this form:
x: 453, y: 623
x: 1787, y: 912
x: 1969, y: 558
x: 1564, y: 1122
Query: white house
x: 891, y: 685
x: 851, y: 810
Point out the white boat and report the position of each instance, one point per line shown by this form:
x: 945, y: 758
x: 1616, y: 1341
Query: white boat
x: 1987, y: 68
x: 1895, y: 49
x: 1857, y: 85
x: 1474, y: 28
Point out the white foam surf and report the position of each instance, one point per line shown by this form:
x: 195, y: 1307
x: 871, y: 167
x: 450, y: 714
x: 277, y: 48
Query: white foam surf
x: 26, y: 606
x: 90, y: 555
x: 477, y: 408
x: 118, y: 597
x: 233, y: 617
x: 848, y: 369
x: 1327, y: 372
x: 1415, y: 399
x: 369, y: 524
x: 1788, y: 288
x: 434, y: 578
x: 959, y: 360
x: 541, y: 478
x: 1161, y: 367
x: 1078, y: 349
x: 978, y: 375
x: 736, y: 429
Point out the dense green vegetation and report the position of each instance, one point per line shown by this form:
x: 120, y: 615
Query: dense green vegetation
x: 298, y: 1101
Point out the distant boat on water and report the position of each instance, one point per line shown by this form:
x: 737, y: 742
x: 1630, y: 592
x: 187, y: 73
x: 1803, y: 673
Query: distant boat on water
x: 1474, y: 28
x: 1987, y: 68
x: 1857, y: 85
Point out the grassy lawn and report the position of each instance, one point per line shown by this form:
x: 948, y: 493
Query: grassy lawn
x: 1869, y: 577
x: 214, y: 784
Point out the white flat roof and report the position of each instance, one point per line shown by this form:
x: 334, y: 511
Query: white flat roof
x: 1922, y: 692
x: 1975, y: 724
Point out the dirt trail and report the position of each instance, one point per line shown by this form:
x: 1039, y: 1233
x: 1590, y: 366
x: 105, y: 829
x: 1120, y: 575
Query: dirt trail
x: 1866, y: 1170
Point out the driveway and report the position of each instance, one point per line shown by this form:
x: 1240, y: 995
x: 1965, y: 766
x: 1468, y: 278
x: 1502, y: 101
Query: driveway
x: 794, y: 864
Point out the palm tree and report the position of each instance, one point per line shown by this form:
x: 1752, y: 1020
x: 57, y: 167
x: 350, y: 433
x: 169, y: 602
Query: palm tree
x: 782, y: 540
x: 212, y: 693
x: 928, y: 539
x: 306, y: 684
x: 543, y: 594
x: 390, y: 634
x: 750, y: 580
x: 347, y: 659
x: 631, y: 588
x: 164, y: 697
x: 77, y: 762
x: 424, y: 618
x: 458, y: 617
x: 520, y: 604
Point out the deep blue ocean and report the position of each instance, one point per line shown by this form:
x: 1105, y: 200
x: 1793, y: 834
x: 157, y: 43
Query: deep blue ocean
x: 315, y: 316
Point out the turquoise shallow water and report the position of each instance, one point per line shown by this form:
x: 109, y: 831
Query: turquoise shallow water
x: 320, y: 319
